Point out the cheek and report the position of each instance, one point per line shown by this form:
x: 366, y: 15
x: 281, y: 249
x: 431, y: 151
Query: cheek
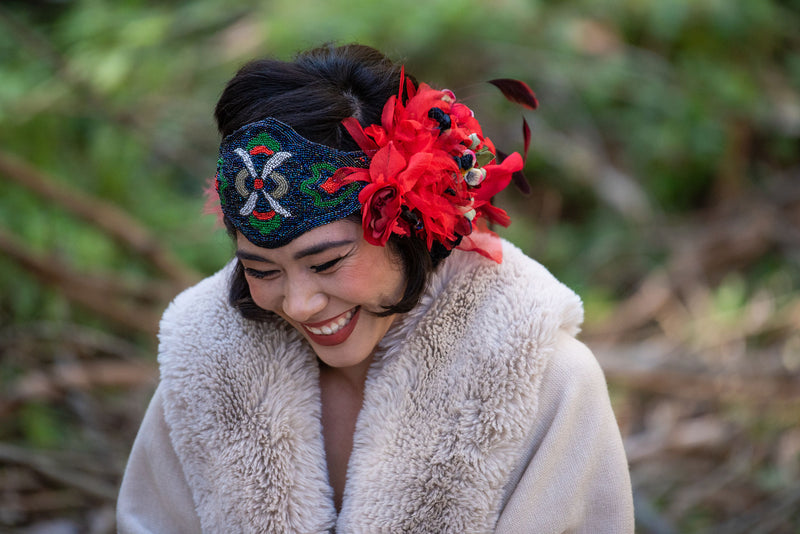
x: 380, y: 278
x: 263, y: 296
x: 395, y: 284
x: 394, y: 276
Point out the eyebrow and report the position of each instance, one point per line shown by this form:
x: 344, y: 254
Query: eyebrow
x: 300, y: 254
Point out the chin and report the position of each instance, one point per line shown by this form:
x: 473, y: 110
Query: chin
x: 343, y: 356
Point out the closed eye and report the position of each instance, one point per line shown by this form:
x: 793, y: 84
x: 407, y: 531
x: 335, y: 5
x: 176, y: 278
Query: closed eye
x: 325, y: 266
x: 259, y: 274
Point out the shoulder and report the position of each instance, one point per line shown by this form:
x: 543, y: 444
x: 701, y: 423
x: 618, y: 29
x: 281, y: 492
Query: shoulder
x: 519, y: 286
x: 574, y: 460
x: 573, y: 365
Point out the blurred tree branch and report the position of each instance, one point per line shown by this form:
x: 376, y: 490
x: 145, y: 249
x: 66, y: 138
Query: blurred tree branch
x: 133, y: 305
x: 105, y: 216
x: 51, y: 383
x: 623, y: 369
x: 91, y: 291
x: 51, y: 467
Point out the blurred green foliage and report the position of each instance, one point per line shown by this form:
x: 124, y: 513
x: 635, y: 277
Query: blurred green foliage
x: 115, y: 99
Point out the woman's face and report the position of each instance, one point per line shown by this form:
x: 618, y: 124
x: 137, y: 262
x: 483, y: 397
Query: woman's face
x: 329, y: 283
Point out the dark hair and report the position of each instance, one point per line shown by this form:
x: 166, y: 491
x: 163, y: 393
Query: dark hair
x: 313, y: 94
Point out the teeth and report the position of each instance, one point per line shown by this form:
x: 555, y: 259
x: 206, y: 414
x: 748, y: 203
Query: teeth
x: 334, y: 326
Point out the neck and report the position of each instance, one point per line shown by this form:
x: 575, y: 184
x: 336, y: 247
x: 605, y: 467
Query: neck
x: 353, y: 376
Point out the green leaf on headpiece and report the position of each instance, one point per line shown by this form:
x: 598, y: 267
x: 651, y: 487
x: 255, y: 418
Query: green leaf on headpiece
x: 483, y: 157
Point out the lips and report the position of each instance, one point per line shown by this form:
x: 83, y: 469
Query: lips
x: 333, y: 331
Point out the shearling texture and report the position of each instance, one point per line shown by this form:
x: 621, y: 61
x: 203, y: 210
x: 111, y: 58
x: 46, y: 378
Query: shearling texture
x: 444, y: 432
x: 458, y: 395
x: 242, y: 402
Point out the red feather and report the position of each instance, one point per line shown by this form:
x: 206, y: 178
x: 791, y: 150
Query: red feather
x: 516, y: 91
x: 212, y: 205
x: 356, y: 131
x: 526, y: 137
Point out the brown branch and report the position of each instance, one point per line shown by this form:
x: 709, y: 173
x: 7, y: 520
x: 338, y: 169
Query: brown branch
x: 85, y: 290
x: 109, y: 218
x: 766, y: 517
x: 730, y: 239
x: 48, y: 384
x: 700, y: 433
x: 55, y: 470
x: 626, y: 371
x: 44, y: 501
x: 79, y: 338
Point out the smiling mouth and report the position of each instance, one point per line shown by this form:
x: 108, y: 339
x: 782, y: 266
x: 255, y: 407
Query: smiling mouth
x: 334, y: 331
x: 334, y: 326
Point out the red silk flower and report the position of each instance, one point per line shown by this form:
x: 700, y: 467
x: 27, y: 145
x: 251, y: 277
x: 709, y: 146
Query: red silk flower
x: 431, y: 173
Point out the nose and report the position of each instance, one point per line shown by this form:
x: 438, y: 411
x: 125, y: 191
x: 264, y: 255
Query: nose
x: 302, y: 299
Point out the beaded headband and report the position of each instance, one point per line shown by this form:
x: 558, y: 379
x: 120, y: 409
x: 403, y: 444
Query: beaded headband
x: 275, y: 185
x: 425, y: 171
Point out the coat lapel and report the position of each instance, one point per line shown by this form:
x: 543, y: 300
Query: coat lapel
x: 243, y: 406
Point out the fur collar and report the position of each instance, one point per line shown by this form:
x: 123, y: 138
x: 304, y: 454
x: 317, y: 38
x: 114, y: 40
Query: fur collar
x: 448, y: 404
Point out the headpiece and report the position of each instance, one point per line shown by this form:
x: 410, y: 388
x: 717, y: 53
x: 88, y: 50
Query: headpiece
x: 275, y: 185
x: 426, y: 170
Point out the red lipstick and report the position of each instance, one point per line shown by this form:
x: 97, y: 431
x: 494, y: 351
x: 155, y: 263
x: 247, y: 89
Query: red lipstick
x: 327, y: 340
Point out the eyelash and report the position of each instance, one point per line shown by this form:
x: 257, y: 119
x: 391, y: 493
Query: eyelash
x: 258, y: 274
x: 316, y: 268
x: 327, y: 265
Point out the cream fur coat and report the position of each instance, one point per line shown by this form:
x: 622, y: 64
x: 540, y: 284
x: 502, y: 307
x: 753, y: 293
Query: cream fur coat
x: 481, y: 413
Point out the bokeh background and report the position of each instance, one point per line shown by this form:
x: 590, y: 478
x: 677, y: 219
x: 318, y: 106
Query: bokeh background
x: 665, y: 176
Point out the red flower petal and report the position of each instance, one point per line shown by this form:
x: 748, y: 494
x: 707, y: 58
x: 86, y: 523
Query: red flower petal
x: 386, y: 164
x: 494, y: 214
x: 387, y: 117
x: 498, y: 176
x: 417, y: 165
x: 381, y: 209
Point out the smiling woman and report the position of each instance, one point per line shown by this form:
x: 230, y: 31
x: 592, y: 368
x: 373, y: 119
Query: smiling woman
x: 373, y: 359
x: 332, y: 286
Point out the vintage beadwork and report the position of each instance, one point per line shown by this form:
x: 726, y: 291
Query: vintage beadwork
x: 275, y: 185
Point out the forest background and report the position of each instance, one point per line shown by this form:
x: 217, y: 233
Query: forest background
x: 665, y: 177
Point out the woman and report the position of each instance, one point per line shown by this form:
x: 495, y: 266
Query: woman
x: 371, y: 360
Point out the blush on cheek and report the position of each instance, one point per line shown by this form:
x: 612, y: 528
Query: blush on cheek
x: 260, y: 299
x: 386, y: 290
